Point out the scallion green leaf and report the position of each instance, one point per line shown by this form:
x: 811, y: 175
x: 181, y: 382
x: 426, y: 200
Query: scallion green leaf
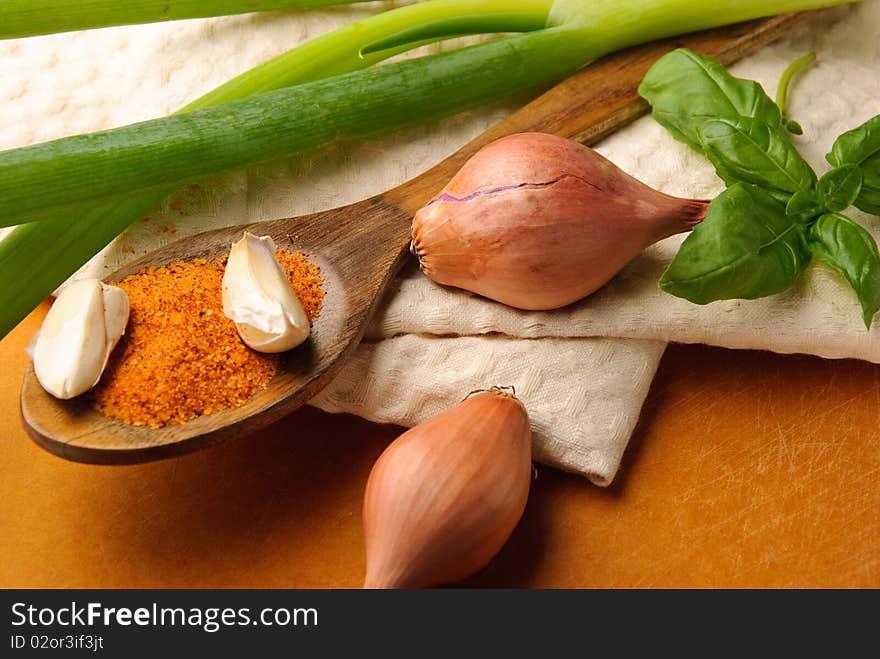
x: 28, y: 18
x: 189, y: 147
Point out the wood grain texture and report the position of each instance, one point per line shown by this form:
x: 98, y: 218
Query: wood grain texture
x: 360, y: 248
x: 748, y: 469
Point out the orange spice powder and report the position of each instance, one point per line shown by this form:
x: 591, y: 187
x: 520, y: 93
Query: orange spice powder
x: 180, y: 356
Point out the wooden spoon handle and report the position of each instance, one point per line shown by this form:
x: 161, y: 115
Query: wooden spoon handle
x: 598, y: 99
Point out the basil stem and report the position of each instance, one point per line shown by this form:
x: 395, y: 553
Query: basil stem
x: 803, y: 207
x: 782, y: 89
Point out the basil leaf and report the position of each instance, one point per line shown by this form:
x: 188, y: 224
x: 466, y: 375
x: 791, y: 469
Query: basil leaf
x: 746, y: 247
x: 869, y: 197
x: 803, y: 206
x: 849, y: 249
x: 861, y: 146
x: 839, y: 188
x: 857, y: 145
x: 686, y: 89
x: 755, y: 152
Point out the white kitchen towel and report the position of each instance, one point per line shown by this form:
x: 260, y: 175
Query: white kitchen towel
x: 583, y: 394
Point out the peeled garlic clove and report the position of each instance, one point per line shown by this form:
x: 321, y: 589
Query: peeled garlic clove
x: 444, y: 497
x: 537, y: 222
x: 258, y: 298
x: 76, y: 338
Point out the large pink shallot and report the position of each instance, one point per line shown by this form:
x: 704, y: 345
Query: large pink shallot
x: 536, y: 221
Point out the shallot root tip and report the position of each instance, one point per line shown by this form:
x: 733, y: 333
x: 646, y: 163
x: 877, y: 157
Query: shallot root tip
x: 415, y: 251
x: 506, y: 390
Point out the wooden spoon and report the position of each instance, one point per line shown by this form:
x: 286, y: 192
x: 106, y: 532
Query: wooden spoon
x: 360, y: 248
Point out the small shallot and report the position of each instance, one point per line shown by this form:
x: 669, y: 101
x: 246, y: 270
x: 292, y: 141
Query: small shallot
x: 537, y: 222
x: 444, y: 497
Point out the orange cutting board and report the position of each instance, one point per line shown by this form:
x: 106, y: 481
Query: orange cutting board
x: 748, y: 469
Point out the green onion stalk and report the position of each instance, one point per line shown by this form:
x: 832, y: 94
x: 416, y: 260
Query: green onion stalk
x: 28, y: 18
x: 76, y: 194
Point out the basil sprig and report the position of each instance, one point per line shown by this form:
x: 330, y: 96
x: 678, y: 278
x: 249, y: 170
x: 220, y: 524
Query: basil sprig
x: 776, y: 214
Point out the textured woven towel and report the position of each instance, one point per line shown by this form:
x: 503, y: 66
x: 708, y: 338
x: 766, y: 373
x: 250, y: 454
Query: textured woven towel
x: 583, y: 372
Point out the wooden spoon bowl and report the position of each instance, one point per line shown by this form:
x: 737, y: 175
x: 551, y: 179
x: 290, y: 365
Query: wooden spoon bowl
x: 360, y: 248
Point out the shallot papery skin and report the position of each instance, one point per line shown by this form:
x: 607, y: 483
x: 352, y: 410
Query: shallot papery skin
x: 444, y: 496
x: 537, y: 222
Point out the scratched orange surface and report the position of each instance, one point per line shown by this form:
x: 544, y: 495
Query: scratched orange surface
x: 747, y: 470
